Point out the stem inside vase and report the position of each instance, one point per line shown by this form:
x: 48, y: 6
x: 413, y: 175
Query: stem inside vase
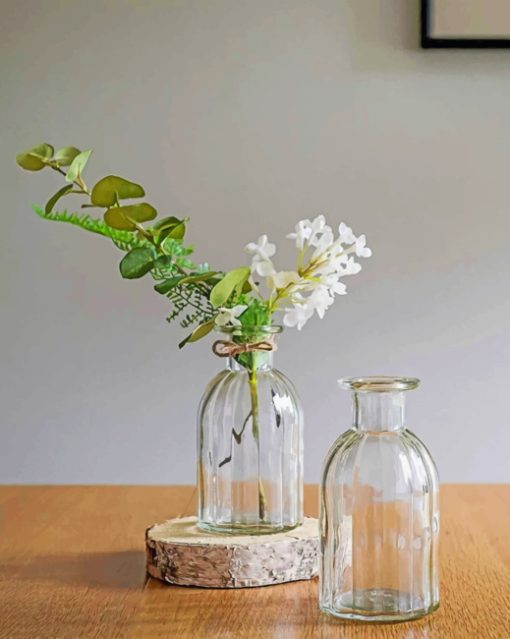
x: 254, y: 396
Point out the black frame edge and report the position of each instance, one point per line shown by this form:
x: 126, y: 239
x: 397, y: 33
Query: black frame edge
x: 428, y: 42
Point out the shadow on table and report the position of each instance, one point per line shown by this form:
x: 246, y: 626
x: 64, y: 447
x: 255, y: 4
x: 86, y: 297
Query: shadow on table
x: 117, y: 570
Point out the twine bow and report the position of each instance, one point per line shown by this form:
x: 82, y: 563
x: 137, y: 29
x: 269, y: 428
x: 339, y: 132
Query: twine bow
x: 223, y: 348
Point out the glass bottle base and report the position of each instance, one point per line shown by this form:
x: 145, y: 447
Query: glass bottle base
x: 244, y: 529
x: 379, y: 605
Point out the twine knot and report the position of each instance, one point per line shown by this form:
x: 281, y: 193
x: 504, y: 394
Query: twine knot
x: 223, y: 348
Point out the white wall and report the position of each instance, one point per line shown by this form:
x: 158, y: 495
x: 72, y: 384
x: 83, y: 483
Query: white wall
x: 247, y: 116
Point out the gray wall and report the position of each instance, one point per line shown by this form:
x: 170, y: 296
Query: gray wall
x: 247, y: 116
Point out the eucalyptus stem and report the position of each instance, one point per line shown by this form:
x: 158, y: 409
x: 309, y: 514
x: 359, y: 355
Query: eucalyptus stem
x: 78, y: 182
x: 254, y: 396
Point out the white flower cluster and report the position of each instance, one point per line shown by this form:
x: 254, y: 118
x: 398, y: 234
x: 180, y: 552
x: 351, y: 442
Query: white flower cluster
x: 322, y: 261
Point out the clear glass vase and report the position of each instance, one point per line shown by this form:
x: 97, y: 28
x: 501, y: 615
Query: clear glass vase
x: 379, y: 516
x: 250, y: 441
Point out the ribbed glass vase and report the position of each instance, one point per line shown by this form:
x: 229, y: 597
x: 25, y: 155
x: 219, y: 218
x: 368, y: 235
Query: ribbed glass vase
x: 250, y: 441
x: 379, y: 515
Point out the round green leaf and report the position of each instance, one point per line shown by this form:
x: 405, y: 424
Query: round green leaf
x: 77, y: 166
x: 117, y: 220
x: 124, y: 217
x: 142, y: 212
x: 225, y: 287
x: 65, y: 156
x: 55, y: 198
x: 30, y: 162
x: 44, y: 150
x: 36, y: 158
x: 137, y: 262
x: 112, y: 188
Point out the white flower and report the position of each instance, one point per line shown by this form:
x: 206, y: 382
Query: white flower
x: 319, y: 228
x: 324, y: 259
x: 264, y: 268
x: 330, y: 264
x: 262, y: 248
x: 302, y: 232
x: 323, y: 244
x: 283, y: 279
x: 360, y: 247
x: 320, y: 300
x: 228, y: 316
x: 346, y: 234
x: 297, y: 316
x: 310, y: 232
x: 338, y: 288
x: 349, y: 267
x: 332, y: 282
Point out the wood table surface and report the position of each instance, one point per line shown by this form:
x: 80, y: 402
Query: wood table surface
x: 72, y: 565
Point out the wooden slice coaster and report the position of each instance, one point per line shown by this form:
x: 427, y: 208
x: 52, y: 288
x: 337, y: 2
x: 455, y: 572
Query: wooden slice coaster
x: 180, y: 553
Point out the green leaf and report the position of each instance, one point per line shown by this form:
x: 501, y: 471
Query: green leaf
x: 30, y: 162
x: 112, y: 188
x: 163, y: 261
x: 117, y: 220
x: 137, y: 263
x: 225, y: 287
x: 167, y: 285
x: 124, y: 217
x: 142, y: 212
x: 123, y: 240
x: 36, y: 158
x: 77, y: 166
x: 167, y: 222
x: 245, y: 288
x: 257, y: 314
x: 56, y: 197
x: 65, y: 156
x: 199, y: 277
x: 200, y: 331
x: 44, y: 150
x: 170, y: 227
x: 178, y: 232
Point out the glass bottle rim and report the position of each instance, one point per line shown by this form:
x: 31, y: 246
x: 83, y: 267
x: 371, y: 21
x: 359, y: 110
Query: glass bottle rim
x: 273, y: 329
x: 379, y: 383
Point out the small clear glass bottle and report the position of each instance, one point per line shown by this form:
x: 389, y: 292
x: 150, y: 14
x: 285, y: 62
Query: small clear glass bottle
x: 379, y: 519
x: 250, y: 443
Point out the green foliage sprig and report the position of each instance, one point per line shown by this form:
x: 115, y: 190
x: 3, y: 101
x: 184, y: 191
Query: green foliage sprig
x: 156, y: 249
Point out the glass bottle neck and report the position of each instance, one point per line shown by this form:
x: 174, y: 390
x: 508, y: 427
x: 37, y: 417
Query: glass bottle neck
x: 254, y: 346
x: 259, y: 361
x: 379, y: 412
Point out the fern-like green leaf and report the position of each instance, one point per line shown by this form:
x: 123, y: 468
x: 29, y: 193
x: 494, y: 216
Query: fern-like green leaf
x: 193, y: 299
x: 125, y: 240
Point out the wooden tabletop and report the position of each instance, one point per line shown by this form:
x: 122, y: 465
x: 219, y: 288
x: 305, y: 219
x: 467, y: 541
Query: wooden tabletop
x: 72, y: 565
